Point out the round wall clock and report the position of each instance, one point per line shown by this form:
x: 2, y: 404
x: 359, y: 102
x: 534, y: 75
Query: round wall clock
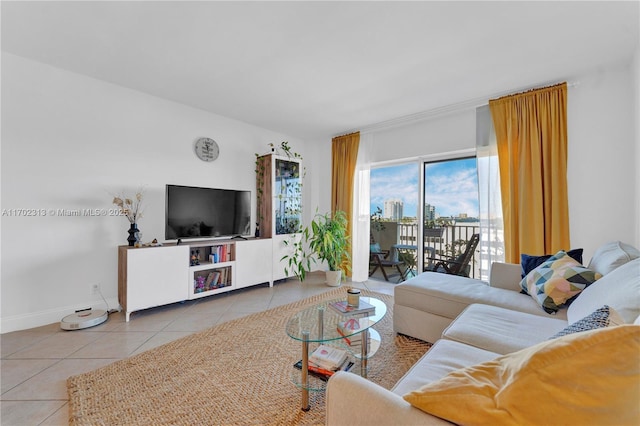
x: 207, y: 149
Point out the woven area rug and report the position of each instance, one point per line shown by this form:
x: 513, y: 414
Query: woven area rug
x: 236, y: 373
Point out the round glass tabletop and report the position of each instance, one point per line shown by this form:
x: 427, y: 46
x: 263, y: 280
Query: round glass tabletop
x: 319, y: 323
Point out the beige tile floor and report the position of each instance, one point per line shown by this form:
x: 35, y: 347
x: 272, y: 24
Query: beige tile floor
x: 36, y: 363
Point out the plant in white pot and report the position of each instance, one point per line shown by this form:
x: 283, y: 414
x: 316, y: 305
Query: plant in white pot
x: 327, y: 239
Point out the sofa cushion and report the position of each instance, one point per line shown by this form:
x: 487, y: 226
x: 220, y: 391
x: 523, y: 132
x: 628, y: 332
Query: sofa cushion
x: 536, y: 385
x: 501, y: 330
x: 600, y: 318
x: 442, y: 358
x: 557, y: 280
x: 448, y: 295
x: 619, y: 289
x: 528, y: 263
x: 611, y: 256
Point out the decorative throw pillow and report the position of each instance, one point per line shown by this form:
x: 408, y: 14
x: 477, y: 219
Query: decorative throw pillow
x: 529, y: 263
x: 600, y: 318
x: 556, y: 281
x: 579, y: 379
x: 610, y: 256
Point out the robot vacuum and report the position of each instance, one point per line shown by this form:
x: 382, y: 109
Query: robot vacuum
x: 84, y: 319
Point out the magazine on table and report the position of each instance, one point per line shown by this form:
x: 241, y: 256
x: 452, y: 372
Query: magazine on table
x: 363, y: 308
x: 323, y: 374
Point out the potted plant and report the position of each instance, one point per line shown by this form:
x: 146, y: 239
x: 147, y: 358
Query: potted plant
x: 327, y: 240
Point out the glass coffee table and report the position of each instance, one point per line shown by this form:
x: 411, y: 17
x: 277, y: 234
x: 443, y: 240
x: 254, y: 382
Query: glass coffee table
x: 318, y: 325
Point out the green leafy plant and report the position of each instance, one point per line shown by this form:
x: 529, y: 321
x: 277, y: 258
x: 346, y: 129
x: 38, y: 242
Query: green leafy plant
x: 329, y: 239
x: 377, y: 224
x: 326, y: 239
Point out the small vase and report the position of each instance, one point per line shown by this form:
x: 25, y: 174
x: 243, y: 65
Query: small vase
x: 133, y: 230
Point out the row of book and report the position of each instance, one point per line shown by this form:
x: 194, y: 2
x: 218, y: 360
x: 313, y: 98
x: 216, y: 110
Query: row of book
x: 215, y: 279
x: 326, y: 360
x: 220, y: 253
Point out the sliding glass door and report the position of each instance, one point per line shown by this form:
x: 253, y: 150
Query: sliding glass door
x: 425, y: 216
x: 451, y: 211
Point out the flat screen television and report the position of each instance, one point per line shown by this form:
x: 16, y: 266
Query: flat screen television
x: 193, y: 212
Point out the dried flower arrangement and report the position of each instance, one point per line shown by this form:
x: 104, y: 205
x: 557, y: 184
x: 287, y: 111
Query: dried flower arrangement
x: 131, y: 208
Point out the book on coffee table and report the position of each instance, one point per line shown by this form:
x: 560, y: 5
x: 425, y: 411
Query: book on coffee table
x: 362, y: 308
x: 351, y: 332
x: 323, y: 374
x: 328, y: 357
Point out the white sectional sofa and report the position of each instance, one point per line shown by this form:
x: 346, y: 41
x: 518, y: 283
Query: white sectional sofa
x: 474, y: 322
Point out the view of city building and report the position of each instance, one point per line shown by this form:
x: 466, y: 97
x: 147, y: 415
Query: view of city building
x: 429, y: 212
x: 393, y: 210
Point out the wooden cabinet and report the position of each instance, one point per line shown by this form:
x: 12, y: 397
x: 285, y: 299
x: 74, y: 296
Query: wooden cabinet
x: 279, y: 194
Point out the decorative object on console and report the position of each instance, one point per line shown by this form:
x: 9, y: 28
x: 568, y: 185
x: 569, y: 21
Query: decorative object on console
x: 207, y: 149
x: 134, y: 234
x: 194, y: 258
x: 131, y: 208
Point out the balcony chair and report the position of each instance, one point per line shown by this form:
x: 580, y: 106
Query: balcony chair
x: 458, y: 265
x: 379, y: 259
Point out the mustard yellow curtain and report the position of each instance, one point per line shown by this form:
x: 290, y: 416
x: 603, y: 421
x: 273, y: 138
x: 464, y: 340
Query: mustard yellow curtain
x: 531, y: 133
x: 344, y: 152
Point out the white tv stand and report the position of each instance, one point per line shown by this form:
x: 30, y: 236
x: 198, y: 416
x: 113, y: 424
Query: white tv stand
x: 155, y: 276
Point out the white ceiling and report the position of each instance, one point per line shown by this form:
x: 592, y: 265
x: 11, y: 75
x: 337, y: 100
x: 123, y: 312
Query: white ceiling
x: 316, y: 69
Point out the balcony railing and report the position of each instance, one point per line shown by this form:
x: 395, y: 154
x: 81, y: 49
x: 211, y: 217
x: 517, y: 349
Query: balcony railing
x: 441, y: 242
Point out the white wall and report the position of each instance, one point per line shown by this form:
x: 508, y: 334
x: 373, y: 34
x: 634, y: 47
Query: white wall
x: 447, y: 133
x: 603, y: 185
x: 602, y: 169
x: 71, y: 142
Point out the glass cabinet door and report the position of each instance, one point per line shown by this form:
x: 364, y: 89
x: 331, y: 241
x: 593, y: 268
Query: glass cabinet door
x: 287, y: 197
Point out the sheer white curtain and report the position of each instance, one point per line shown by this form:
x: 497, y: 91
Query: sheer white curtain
x: 361, y: 201
x: 491, y: 227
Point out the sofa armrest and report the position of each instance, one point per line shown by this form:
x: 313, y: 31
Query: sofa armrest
x: 352, y: 400
x: 505, y: 275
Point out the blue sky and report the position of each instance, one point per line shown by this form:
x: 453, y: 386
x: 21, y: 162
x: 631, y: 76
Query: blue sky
x: 451, y: 186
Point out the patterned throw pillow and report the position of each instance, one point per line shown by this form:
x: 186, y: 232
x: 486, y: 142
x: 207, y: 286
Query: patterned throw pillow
x: 600, y: 318
x: 557, y: 280
x: 528, y: 263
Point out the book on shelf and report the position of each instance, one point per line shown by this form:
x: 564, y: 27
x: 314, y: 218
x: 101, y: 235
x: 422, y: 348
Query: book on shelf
x: 322, y: 373
x: 328, y: 357
x: 363, y: 308
x: 212, y: 279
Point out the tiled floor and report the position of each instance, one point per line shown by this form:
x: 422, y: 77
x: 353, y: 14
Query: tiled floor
x: 36, y: 363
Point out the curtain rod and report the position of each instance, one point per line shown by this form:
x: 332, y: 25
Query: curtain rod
x: 449, y: 109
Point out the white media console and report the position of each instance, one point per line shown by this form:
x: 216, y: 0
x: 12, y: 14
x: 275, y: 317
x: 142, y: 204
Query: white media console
x: 155, y: 276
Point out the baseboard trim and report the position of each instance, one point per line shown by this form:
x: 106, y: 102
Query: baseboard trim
x: 42, y: 318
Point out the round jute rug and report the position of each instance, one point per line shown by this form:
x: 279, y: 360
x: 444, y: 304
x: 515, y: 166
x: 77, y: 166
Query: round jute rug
x: 236, y: 373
